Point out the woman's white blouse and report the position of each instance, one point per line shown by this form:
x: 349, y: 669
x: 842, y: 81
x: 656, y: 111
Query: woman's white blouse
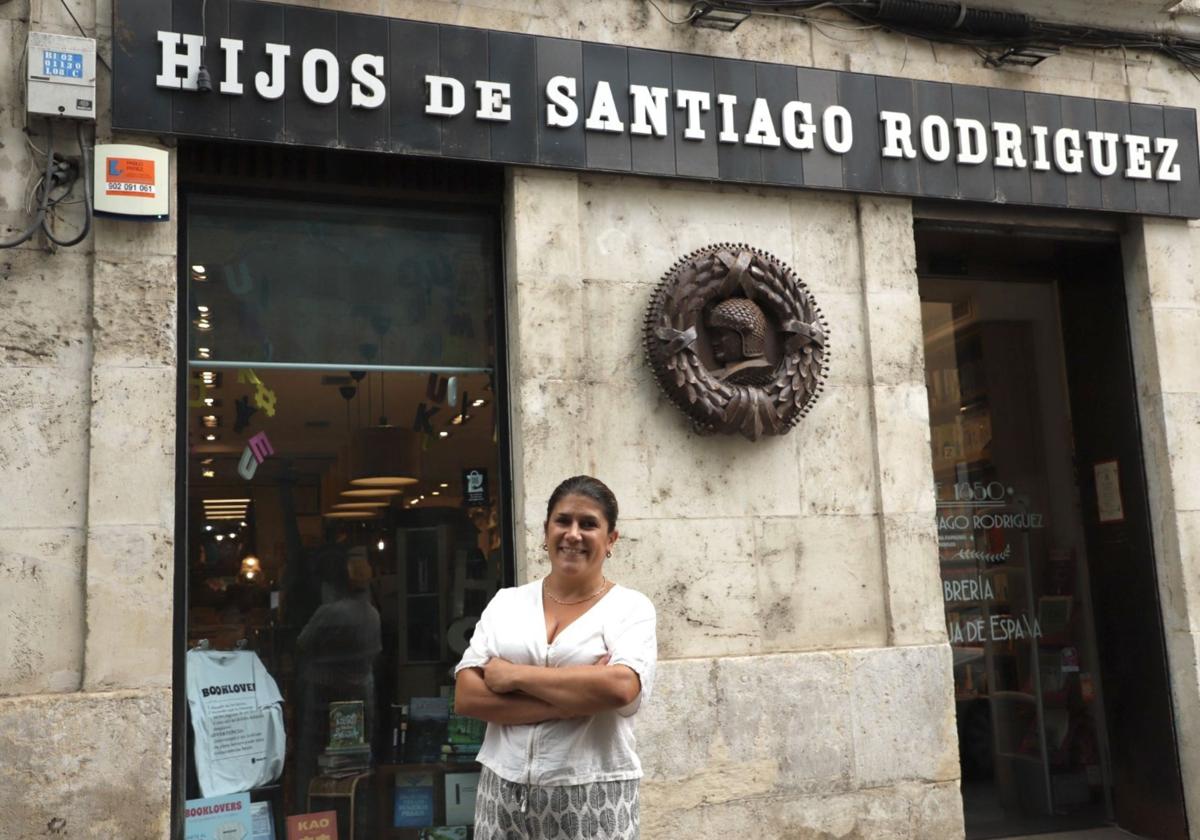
x: 580, y: 750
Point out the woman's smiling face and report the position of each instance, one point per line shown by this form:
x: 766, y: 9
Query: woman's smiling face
x: 578, y: 537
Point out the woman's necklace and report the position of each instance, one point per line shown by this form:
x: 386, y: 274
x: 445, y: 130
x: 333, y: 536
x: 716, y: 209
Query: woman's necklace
x: 550, y: 594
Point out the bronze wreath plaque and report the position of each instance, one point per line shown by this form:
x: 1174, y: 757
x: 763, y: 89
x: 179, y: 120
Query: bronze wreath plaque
x: 736, y: 341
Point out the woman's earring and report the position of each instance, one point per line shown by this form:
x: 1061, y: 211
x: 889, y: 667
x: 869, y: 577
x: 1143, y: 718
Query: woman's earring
x: 545, y: 547
x: 608, y: 554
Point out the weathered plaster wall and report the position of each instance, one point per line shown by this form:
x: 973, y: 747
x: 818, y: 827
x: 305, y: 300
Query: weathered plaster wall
x: 800, y: 615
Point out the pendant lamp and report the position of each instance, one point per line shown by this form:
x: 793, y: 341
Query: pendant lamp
x: 384, y: 456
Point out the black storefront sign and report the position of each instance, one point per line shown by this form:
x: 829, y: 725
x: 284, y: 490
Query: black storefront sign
x: 291, y: 74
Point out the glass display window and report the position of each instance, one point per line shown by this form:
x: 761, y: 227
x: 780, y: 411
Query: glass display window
x: 1011, y: 549
x: 346, y: 510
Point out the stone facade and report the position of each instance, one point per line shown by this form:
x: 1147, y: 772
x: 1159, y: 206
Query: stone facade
x: 805, y: 689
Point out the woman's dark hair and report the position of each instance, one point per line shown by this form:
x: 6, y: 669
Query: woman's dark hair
x: 592, y: 488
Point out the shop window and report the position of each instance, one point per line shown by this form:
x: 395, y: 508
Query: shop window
x: 345, y: 511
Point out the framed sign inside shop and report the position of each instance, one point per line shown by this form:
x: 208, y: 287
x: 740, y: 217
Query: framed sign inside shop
x: 314, y: 77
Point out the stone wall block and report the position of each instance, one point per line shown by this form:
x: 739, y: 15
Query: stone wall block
x: 54, y: 17
x: 889, y: 251
x: 45, y: 308
x: 913, y: 579
x: 820, y: 584
x: 825, y: 247
x: 757, y: 726
x: 665, y: 470
x: 546, y: 242
x: 1183, y: 656
x: 700, y: 575
x: 1167, y: 252
x: 1176, y: 335
x: 1181, y: 414
x: 135, y: 317
x: 1179, y: 572
x: 41, y: 576
x: 638, y: 228
x: 684, y: 690
x: 905, y: 464
x: 895, y: 812
x: 793, y: 711
x: 44, y: 447
x: 611, y: 320
x: 133, y: 447
x: 549, y: 326
x: 904, y: 719
x: 543, y: 412
x: 897, y: 345
x: 834, y: 442
x: 86, y: 765
x: 130, y: 599
x: 847, y: 344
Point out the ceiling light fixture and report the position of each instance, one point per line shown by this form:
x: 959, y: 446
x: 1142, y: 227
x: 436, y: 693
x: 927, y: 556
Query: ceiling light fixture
x: 203, y: 352
x: 210, y: 437
x: 443, y: 433
x: 199, y: 269
x: 370, y: 492
x: 479, y: 403
x: 208, y: 474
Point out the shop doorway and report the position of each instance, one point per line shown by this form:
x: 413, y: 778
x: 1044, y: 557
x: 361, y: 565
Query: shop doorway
x: 1048, y: 572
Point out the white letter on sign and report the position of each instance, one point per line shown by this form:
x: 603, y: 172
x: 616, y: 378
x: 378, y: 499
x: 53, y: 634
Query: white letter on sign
x: 603, y: 115
x: 649, y: 111
x: 231, y: 84
x: 308, y: 76
x: 561, y: 110
x: 437, y: 87
x: 897, y: 135
x: 837, y: 130
x: 168, y: 76
x: 493, y: 101
x: 270, y: 85
x: 367, y: 91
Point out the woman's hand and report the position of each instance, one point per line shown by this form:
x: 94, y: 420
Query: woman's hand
x: 500, y: 675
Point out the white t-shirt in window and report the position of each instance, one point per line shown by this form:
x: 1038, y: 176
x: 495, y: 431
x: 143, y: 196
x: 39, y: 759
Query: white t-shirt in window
x: 237, y: 718
x: 601, y: 747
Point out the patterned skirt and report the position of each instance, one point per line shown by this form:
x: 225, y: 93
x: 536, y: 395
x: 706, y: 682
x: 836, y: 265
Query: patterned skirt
x: 598, y: 810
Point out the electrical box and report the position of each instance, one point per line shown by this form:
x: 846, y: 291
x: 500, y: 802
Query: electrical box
x: 60, y: 78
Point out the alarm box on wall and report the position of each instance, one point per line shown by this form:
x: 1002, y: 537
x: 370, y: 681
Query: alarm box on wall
x: 132, y: 182
x: 60, y: 76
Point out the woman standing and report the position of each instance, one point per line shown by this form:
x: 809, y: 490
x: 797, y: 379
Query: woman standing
x: 558, y: 668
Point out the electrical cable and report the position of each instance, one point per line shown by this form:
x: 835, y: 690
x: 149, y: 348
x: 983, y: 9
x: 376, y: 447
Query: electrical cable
x: 982, y: 30
x: 87, y: 197
x: 99, y: 57
x: 49, y: 182
x: 33, y: 228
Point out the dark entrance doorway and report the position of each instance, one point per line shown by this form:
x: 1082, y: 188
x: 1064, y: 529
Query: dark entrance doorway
x: 1047, y: 562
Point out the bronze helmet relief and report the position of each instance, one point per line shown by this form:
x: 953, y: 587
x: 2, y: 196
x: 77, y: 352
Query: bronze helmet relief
x: 736, y: 341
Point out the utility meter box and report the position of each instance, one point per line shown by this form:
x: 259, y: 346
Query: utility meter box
x: 60, y: 78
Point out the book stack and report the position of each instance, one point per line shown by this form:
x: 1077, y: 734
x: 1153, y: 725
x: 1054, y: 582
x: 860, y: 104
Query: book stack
x: 427, y: 720
x: 464, y: 737
x: 348, y: 753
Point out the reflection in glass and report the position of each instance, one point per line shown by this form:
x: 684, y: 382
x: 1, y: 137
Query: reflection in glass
x: 335, y: 284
